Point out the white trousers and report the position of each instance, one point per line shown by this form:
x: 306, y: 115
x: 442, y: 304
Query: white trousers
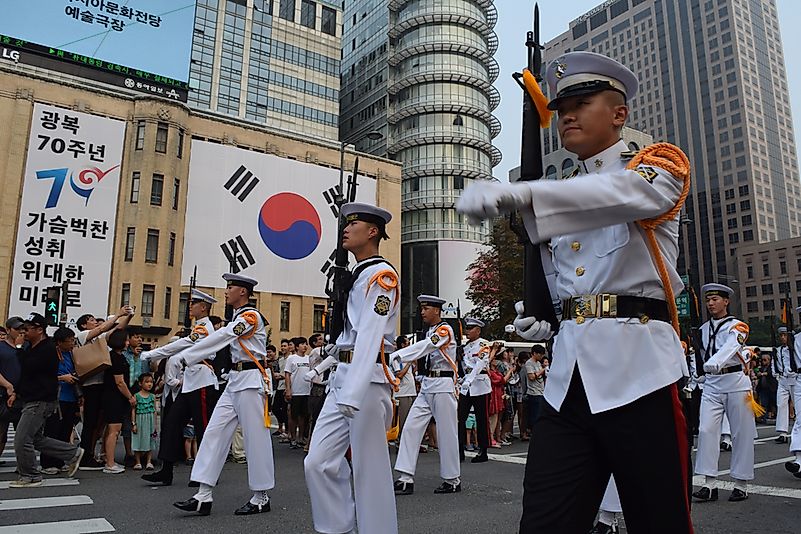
x: 328, y: 472
x: 245, y: 408
x: 611, y: 500
x: 725, y: 427
x: 743, y: 433
x: 443, y: 407
x: 788, y: 389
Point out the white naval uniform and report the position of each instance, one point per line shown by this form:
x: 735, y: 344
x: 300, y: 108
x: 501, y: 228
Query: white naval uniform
x: 372, y: 313
x: 788, y: 385
x: 241, y: 403
x: 726, y: 394
x: 596, y: 248
x: 437, y: 398
x: 473, y: 364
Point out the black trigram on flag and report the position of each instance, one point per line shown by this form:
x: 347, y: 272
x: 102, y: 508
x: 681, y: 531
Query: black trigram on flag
x: 238, y: 254
x: 330, y: 196
x: 328, y: 264
x: 241, y: 183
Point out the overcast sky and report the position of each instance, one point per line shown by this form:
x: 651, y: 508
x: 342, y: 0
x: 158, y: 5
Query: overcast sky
x: 514, y: 20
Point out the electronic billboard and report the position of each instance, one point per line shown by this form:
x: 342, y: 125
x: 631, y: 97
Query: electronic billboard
x: 143, y: 45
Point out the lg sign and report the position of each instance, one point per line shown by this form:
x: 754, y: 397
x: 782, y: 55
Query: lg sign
x: 13, y: 55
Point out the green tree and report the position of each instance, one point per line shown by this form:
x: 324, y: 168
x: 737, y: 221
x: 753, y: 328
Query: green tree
x: 496, y: 280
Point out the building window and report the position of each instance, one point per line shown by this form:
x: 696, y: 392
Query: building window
x: 751, y: 291
x: 140, y: 135
x: 125, y: 297
x: 176, y: 188
x: 180, y: 150
x: 167, y: 300
x: 329, y: 21
x: 768, y: 305
x: 783, y: 267
x: 152, y: 248
x: 308, y: 13
x: 130, y: 238
x: 135, y: 187
x: 148, y: 296
x: 767, y: 289
x: 748, y: 235
x: 183, y: 299
x: 765, y: 269
x: 171, y: 252
x: 318, y: 325
x: 286, y: 10
x: 749, y: 272
x: 161, y: 137
x: 753, y: 307
x: 157, y: 190
x: 784, y: 288
x: 284, y: 317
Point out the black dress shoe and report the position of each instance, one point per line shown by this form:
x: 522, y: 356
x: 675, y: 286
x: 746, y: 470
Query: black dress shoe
x: 781, y: 439
x: 792, y: 467
x: 603, y: 528
x: 480, y: 458
x: 193, y: 484
x: 738, y: 495
x: 403, y: 488
x: 193, y: 505
x: 249, y: 508
x: 705, y: 494
x: 159, y: 477
x: 448, y: 488
x: 725, y: 446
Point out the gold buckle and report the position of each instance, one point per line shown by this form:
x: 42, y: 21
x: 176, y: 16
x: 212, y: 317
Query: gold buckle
x: 238, y: 366
x: 582, y: 307
x: 608, y: 305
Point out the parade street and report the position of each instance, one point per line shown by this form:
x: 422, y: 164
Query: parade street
x: 490, y: 501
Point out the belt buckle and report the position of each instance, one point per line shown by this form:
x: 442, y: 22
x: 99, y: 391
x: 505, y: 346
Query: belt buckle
x: 583, y: 306
x: 608, y: 305
x: 238, y: 366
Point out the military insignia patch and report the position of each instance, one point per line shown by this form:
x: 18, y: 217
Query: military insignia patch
x: 740, y: 339
x: 382, y: 305
x: 561, y: 69
x: 647, y: 172
x: 194, y: 336
x: 239, y: 329
x: 435, y: 339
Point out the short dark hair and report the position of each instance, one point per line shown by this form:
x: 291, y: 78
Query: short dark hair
x: 62, y: 334
x: 399, y: 341
x: 272, y: 348
x: 82, y: 320
x: 143, y: 376
x: 131, y: 333
x: 523, y: 356
x: 539, y: 349
x: 285, y: 340
x: 314, y: 338
x: 116, y: 340
x: 298, y: 340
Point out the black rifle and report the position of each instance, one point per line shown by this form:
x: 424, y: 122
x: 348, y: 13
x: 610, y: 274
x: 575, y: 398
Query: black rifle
x: 192, y: 285
x: 696, y: 340
x: 536, y: 294
x: 788, y: 309
x: 340, y: 280
x: 459, y: 346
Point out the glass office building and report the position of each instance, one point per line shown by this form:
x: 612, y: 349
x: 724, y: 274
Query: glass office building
x: 421, y: 72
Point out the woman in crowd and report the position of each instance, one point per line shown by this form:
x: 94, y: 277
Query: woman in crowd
x: 117, y: 398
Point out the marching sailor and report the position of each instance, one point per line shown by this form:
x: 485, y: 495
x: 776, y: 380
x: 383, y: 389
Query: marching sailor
x: 244, y: 402
x: 794, y: 341
x: 197, y: 385
x: 358, y: 408
x: 476, y: 388
x: 437, y: 399
x: 727, y: 390
x: 785, y: 369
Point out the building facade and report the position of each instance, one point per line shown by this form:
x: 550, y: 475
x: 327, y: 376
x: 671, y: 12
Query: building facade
x: 421, y: 72
x: 712, y: 81
x: 151, y: 220
x: 272, y: 62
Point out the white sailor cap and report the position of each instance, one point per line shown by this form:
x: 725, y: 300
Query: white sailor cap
x: 471, y: 322
x: 430, y: 300
x: 358, y: 211
x: 709, y: 290
x: 782, y: 330
x: 239, y: 280
x: 199, y: 295
x: 581, y: 73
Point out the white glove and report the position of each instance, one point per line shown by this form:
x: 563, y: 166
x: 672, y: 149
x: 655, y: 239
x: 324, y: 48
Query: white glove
x: 331, y: 350
x: 711, y: 367
x: 487, y: 200
x: 394, y: 360
x: 310, y: 375
x: 347, y: 410
x: 529, y: 328
x: 465, y: 387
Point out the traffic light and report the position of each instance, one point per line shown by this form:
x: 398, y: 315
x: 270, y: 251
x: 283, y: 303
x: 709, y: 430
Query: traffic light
x: 52, y: 300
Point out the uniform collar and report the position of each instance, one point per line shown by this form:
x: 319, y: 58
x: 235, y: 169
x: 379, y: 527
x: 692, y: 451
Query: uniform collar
x: 603, y: 159
x: 371, y: 258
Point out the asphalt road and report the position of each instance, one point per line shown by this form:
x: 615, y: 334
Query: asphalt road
x: 489, y: 503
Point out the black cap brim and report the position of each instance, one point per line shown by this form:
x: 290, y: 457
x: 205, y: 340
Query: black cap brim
x: 586, y: 88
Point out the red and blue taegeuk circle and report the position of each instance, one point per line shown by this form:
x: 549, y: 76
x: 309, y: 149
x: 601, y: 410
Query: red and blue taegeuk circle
x: 289, y: 226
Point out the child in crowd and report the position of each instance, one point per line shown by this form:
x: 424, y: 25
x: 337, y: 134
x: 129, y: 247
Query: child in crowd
x: 144, y: 429
x: 190, y: 443
x: 470, y: 425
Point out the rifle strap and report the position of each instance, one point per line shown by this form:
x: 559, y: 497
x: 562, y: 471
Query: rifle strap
x: 672, y: 159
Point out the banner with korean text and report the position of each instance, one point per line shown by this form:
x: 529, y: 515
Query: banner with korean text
x: 69, y: 203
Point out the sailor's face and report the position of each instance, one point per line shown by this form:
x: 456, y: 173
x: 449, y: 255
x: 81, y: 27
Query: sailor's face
x: 356, y: 234
x: 783, y: 338
x: 716, y: 305
x: 588, y: 123
x: 429, y: 314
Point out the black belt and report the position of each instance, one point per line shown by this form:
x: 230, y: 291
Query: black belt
x: 439, y: 374
x: 606, y: 305
x: 244, y: 366
x: 731, y: 369
x: 346, y: 356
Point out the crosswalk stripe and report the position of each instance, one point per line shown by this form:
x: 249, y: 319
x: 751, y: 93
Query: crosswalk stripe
x: 44, y: 502
x: 772, y: 491
x: 48, y: 482
x: 6, y: 470
x: 80, y: 526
